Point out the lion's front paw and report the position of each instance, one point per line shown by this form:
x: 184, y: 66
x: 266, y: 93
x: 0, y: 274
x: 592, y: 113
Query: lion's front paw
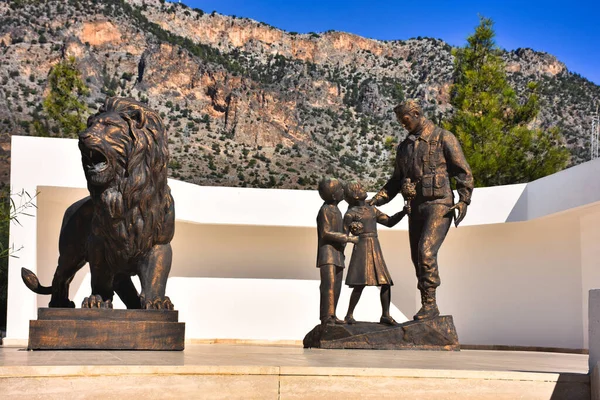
x: 95, y: 301
x: 158, y: 303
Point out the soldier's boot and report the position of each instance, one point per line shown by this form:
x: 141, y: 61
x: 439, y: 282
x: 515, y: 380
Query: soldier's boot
x: 332, y: 320
x: 429, y: 307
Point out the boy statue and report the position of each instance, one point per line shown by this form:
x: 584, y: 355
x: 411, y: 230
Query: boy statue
x: 330, y: 254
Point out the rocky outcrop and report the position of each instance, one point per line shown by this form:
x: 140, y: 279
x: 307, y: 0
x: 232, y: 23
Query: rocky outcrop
x: 530, y: 62
x: 246, y: 103
x: 97, y: 33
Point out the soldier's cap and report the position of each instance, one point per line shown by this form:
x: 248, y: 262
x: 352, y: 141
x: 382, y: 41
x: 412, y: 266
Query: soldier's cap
x: 408, y: 106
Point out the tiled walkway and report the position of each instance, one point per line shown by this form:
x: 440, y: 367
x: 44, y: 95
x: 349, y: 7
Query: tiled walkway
x: 219, y: 371
x: 278, y: 356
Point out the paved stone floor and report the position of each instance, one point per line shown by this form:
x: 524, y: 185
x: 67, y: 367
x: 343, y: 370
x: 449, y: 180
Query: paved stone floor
x: 219, y: 371
x: 279, y: 356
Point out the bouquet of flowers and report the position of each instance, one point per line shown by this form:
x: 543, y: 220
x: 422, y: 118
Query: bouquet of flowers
x: 409, y: 192
x: 356, y: 228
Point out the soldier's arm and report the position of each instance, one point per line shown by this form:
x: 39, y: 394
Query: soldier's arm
x: 328, y: 233
x: 458, y: 167
x: 388, y: 221
x: 392, y: 187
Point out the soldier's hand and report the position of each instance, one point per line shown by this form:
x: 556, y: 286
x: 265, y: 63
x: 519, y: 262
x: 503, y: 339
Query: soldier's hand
x: 370, y: 201
x: 461, y: 207
x: 353, y: 239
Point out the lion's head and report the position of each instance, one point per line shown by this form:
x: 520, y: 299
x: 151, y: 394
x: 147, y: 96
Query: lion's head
x: 125, y: 154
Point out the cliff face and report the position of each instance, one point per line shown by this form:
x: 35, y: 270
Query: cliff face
x: 249, y: 104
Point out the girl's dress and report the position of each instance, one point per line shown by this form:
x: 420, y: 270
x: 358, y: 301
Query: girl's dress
x: 367, y: 267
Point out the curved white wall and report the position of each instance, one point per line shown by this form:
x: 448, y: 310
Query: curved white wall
x: 515, y: 273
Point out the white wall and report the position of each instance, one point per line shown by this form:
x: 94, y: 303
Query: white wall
x: 244, y: 259
x: 515, y: 283
x: 590, y: 259
x: 227, y: 281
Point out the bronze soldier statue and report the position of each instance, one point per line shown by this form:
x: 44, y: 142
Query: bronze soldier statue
x: 425, y: 162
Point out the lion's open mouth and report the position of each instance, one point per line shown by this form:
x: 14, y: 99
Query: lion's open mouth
x: 94, y: 161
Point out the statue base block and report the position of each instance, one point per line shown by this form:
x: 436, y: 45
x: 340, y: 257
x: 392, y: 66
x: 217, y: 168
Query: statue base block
x: 433, y: 334
x: 106, y: 329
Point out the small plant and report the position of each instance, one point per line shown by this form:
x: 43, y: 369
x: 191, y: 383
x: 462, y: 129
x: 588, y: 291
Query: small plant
x: 12, y: 207
x: 10, y: 212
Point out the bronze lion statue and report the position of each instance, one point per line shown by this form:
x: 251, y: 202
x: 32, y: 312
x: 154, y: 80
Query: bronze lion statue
x: 125, y: 226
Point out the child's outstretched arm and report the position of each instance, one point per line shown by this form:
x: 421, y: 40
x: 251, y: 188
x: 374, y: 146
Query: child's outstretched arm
x: 333, y: 236
x: 388, y: 221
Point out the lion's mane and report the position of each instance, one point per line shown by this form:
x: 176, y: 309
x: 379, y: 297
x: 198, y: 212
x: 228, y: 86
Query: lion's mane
x: 139, y: 200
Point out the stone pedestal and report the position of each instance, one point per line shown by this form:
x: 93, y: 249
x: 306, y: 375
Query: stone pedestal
x: 106, y: 329
x: 434, y: 334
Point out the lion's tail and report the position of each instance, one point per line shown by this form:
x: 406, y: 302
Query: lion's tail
x: 32, y: 282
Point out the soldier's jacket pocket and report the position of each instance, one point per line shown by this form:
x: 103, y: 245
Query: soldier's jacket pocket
x: 440, y: 185
x: 427, y: 185
x: 434, y: 186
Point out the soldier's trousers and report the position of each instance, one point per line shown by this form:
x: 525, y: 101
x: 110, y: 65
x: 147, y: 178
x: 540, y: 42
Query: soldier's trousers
x: 428, y: 225
x: 331, y: 286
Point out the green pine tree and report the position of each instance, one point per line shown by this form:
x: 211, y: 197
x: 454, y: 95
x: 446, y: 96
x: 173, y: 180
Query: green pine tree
x: 493, y: 127
x: 63, y: 103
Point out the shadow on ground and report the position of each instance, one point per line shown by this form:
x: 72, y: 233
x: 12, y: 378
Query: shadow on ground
x: 572, y: 387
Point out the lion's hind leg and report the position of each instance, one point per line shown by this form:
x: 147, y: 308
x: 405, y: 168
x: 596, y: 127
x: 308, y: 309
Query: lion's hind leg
x: 154, y: 271
x: 66, y: 270
x: 74, y: 234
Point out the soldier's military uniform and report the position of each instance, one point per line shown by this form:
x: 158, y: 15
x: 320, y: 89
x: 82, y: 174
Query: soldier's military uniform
x: 429, y: 158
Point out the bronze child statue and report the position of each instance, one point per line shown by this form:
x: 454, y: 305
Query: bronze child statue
x: 331, y: 241
x: 367, y: 267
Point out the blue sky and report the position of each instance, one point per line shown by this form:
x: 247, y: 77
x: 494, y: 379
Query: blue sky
x: 570, y: 30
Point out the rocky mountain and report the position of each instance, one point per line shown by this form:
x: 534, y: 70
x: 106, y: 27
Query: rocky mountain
x: 247, y: 104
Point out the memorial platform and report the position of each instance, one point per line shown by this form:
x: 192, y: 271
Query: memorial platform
x: 220, y: 371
